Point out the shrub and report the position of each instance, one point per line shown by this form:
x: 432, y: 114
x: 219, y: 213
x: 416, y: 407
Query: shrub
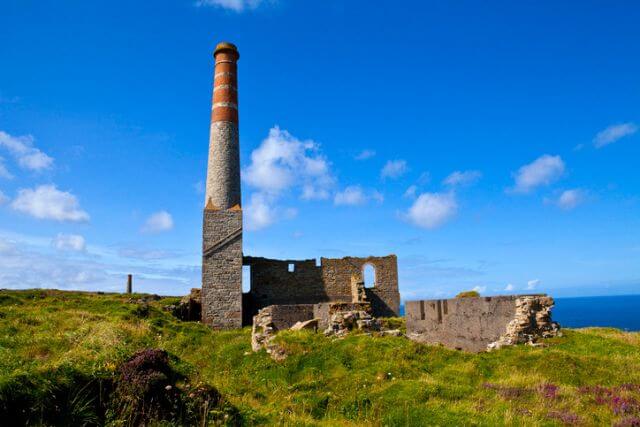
x: 468, y: 294
x: 146, y: 393
x: 144, y: 389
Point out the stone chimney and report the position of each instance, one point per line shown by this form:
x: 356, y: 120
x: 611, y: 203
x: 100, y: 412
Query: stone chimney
x: 222, y: 219
x: 223, y: 170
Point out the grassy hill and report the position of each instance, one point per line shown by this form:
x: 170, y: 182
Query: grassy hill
x: 60, y: 354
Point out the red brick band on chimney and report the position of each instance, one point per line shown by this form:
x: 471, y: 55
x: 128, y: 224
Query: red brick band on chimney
x: 225, y: 84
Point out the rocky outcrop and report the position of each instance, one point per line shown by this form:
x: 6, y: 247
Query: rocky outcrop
x: 531, y: 322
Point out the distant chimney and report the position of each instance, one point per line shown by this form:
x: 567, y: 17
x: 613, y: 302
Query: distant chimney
x: 223, y: 170
x: 129, y: 283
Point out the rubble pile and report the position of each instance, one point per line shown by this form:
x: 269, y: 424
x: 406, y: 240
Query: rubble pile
x: 342, y: 322
x: 531, y: 322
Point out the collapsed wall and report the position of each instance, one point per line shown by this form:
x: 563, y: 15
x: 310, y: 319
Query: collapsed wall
x: 334, y: 318
x: 481, y: 323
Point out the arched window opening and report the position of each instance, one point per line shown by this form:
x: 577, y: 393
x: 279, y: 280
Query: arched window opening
x: 291, y: 268
x: 369, y: 274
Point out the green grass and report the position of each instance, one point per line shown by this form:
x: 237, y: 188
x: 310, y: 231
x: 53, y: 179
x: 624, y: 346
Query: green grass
x: 51, y: 340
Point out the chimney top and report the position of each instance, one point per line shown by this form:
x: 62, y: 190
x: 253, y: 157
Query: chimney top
x: 226, y: 47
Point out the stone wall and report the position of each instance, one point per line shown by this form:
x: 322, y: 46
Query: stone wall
x: 478, y: 324
x: 272, y: 283
x: 286, y: 282
x: 285, y: 316
x: 222, y: 269
x: 384, y: 296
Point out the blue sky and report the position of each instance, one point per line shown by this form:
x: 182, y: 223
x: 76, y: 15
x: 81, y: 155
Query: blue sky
x: 489, y: 145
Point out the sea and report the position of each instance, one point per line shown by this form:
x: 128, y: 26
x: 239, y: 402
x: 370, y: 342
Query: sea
x: 621, y: 312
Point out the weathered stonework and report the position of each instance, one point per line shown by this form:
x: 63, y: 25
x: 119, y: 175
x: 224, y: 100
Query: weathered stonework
x: 480, y: 323
x: 334, y: 280
x: 325, y: 312
x: 223, y: 171
x: 335, y: 319
x: 274, y: 318
x: 345, y: 318
x: 222, y: 269
x: 222, y: 222
x: 532, y: 320
x: 358, y: 291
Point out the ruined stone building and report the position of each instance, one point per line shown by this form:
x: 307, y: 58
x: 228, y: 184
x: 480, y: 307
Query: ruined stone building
x: 283, y: 283
x: 329, y: 294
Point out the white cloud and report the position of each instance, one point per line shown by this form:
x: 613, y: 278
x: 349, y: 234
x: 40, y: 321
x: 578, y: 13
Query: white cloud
x: 394, y: 169
x: 311, y: 192
x: 36, y: 161
x: 158, y: 222
x: 4, y: 172
x: 431, y: 210
x: 479, y: 289
x: 462, y: 178
x: 410, y: 193
x: 365, y: 154
x: 509, y: 287
x: 614, y: 133
x: 146, y: 254
x: 235, y: 5
x: 47, y: 202
x: 531, y: 284
x: 569, y: 199
x: 351, y: 196
x: 259, y: 212
x: 28, y: 156
x: 354, y: 195
x: 542, y: 171
x: 282, y: 162
x: 377, y: 196
x: 30, y: 262
x: 69, y: 242
x: 23, y: 267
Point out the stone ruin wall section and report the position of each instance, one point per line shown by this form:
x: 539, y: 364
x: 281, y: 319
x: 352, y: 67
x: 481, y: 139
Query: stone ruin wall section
x: 473, y: 323
x: 273, y: 284
x: 384, y: 296
x: 222, y: 269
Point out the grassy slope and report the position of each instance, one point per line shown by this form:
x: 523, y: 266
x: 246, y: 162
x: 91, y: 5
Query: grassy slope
x: 47, y: 335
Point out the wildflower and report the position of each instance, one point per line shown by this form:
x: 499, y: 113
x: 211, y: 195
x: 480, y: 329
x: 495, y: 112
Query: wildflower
x: 568, y: 418
x: 548, y: 391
